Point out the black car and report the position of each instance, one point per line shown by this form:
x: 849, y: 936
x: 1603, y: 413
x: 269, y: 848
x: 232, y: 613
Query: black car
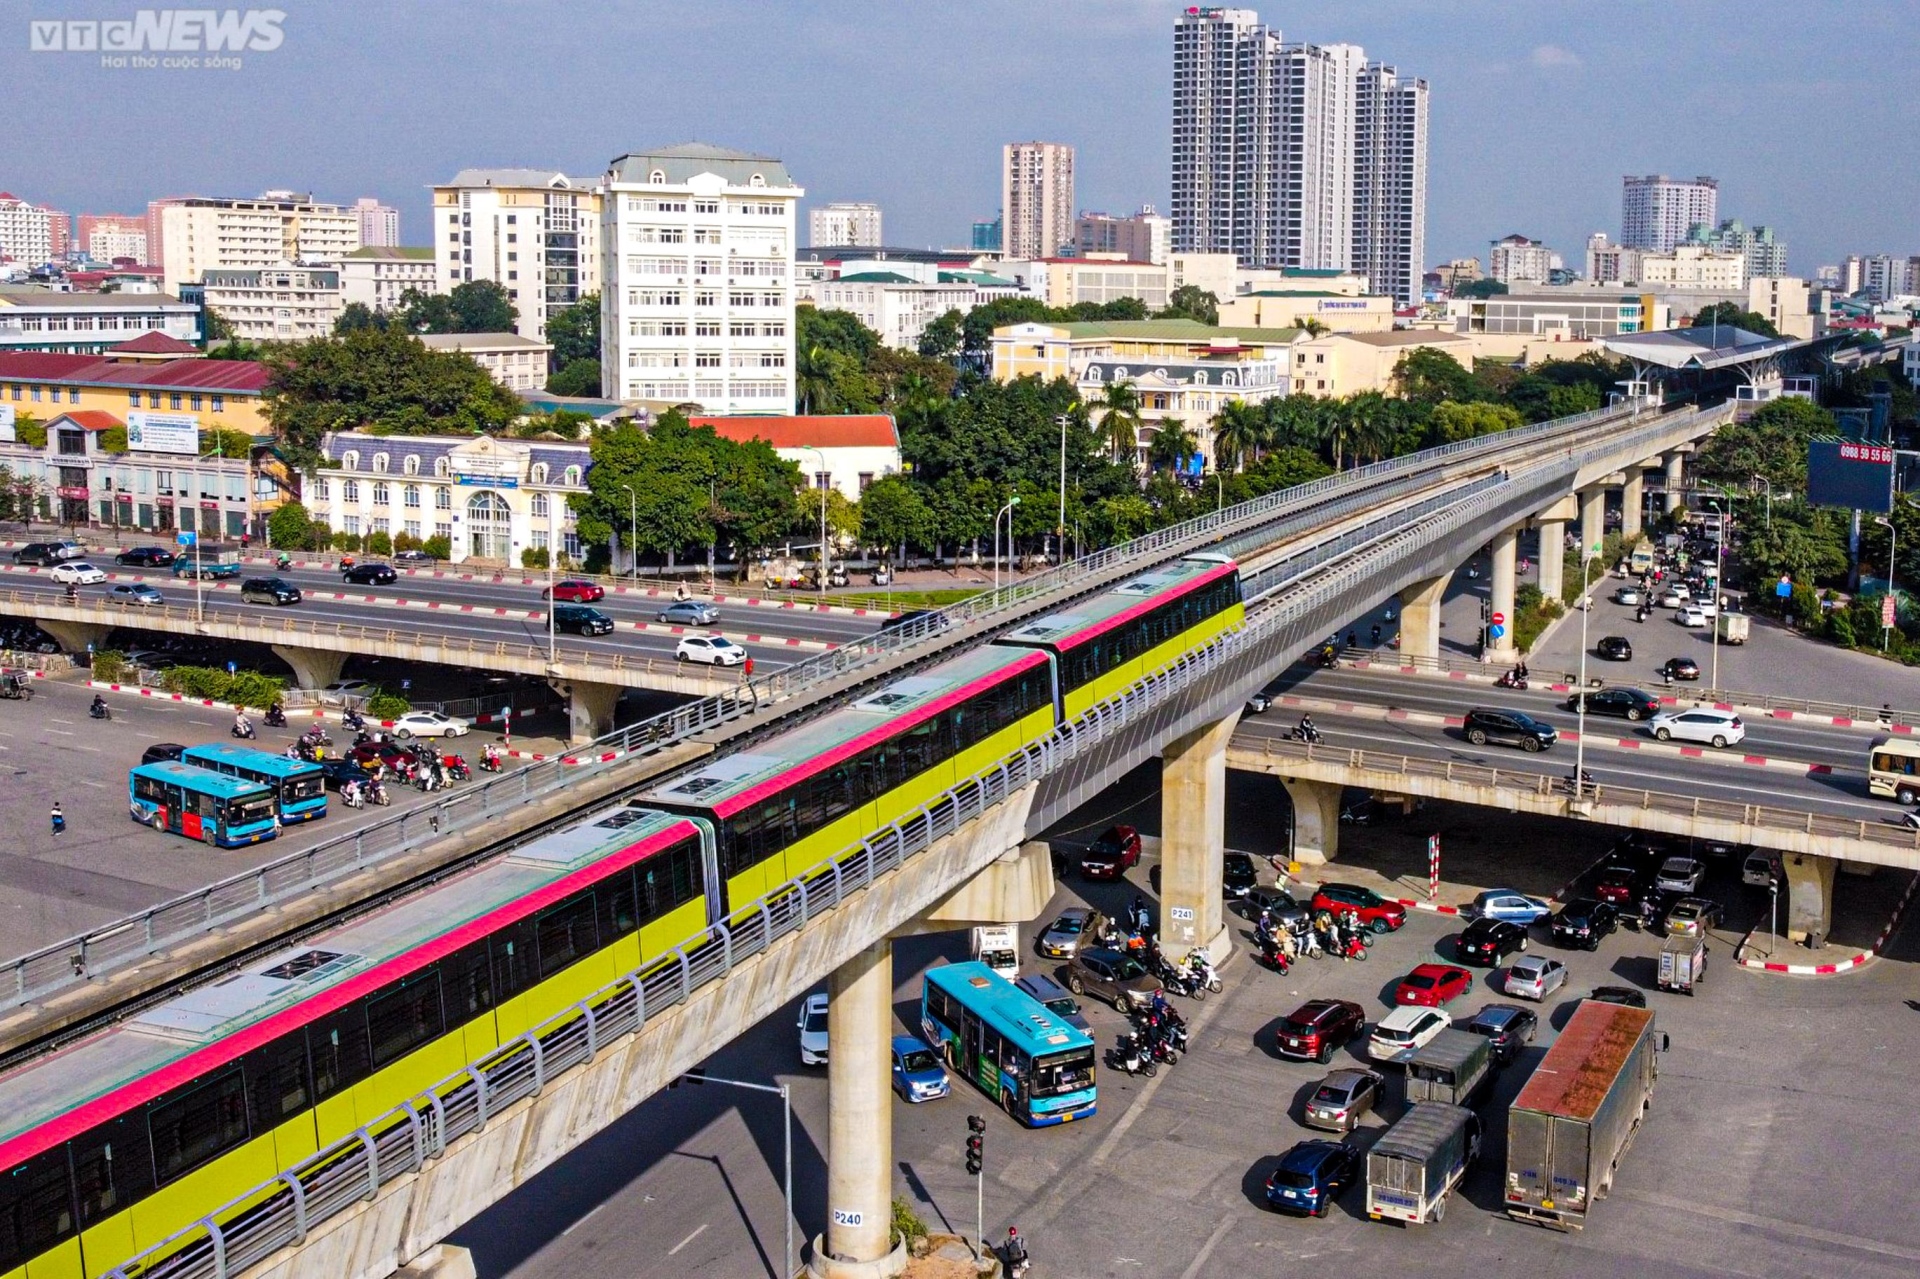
x: 1508, y: 728
x: 373, y: 573
x: 269, y: 590
x: 1618, y: 995
x: 1509, y: 1026
x: 339, y: 771
x: 1614, y: 648
x: 46, y: 554
x: 1627, y: 703
x: 162, y: 752
x: 1488, y: 941
x: 1282, y: 904
x: 1312, y: 1175
x: 1238, y: 874
x: 145, y: 557
x: 579, y: 619
x: 927, y: 620
x: 413, y: 557
x: 1583, y: 922
x: 1680, y: 668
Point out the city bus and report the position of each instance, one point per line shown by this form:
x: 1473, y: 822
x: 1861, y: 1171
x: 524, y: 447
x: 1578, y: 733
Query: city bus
x: 191, y: 801
x: 1010, y: 1045
x: 1893, y: 769
x: 299, y: 786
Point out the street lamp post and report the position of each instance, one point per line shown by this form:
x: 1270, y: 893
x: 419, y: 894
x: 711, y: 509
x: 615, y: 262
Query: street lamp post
x: 1893, y: 544
x: 1719, y: 568
x: 1007, y: 511
x: 1587, y: 555
x: 552, y: 555
x: 1768, y: 485
x: 823, y: 480
x: 791, y: 1263
x: 633, y: 534
x: 1060, y: 524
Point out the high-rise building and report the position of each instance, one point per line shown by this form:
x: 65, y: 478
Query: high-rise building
x: 1296, y: 155
x: 534, y: 232
x: 285, y: 302
x: 1036, y: 198
x: 844, y: 222
x: 1881, y: 275
x: 1657, y: 212
x: 698, y: 246
x: 987, y: 237
x: 1143, y: 237
x: 30, y: 234
x: 1764, y: 254
x: 200, y: 234
x: 106, y: 236
x: 1515, y: 259
x: 379, y: 223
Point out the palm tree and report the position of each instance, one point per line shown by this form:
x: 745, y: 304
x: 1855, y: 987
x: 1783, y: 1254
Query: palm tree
x: 1239, y: 430
x: 1172, y: 444
x: 814, y: 382
x: 1374, y: 425
x: 1295, y: 421
x: 1312, y: 327
x: 1119, y: 406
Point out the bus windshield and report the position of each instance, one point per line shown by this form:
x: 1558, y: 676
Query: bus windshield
x: 1062, y: 1073
x: 246, y: 812
x: 295, y: 789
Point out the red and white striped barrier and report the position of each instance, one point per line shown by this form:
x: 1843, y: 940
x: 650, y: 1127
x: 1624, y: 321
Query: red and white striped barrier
x: 1826, y: 970
x: 298, y: 712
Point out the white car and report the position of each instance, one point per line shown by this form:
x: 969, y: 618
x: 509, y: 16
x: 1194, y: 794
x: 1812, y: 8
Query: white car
x: 430, y: 724
x: 1627, y: 595
x: 1690, y: 615
x: 1701, y: 724
x: 1680, y: 875
x: 1674, y: 599
x: 351, y: 687
x: 813, y: 1031
x: 1403, y: 1030
x: 1534, y: 977
x: 77, y: 573
x: 714, y: 650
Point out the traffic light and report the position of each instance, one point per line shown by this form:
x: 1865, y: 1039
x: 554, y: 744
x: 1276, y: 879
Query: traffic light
x: 976, y: 1144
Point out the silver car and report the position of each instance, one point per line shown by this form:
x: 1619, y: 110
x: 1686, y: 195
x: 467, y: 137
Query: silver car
x: 1076, y: 926
x: 1680, y: 875
x: 1342, y: 1097
x: 1535, y: 977
x: 689, y: 613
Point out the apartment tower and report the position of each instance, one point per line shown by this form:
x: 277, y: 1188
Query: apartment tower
x: 1657, y: 212
x: 1036, y: 198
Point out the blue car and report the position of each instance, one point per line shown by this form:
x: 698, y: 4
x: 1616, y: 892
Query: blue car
x: 917, y: 1074
x: 1511, y: 905
x: 1311, y: 1176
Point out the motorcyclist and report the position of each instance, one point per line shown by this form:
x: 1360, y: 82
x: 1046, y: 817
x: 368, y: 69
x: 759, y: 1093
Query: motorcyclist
x: 276, y: 716
x: 242, y: 726
x: 490, y: 757
x: 1307, y: 731
x: 99, y: 708
x: 1374, y: 634
x: 283, y: 561
x: 1016, y: 1248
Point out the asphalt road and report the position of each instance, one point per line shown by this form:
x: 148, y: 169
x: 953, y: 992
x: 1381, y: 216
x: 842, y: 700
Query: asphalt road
x: 103, y: 867
x: 1777, y: 1143
x: 378, y: 606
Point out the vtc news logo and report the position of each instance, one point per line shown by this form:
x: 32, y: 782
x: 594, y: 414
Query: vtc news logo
x: 157, y: 31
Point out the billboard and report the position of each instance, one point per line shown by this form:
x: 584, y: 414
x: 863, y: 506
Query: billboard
x: 1848, y: 474
x: 163, y: 432
x: 6, y: 423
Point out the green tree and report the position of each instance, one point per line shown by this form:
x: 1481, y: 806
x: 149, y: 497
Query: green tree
x: 1171, y: 445
x: 944, y: 337
x: 477, y: 306
x: 1239, y: 431
x: 1728, y: 313
x: 356, y: 316
x: 894, y: 515
x: 289, y: 525
x: 576, y: 378
x: 1771, y: 443
x: 977, y: 329
x: 224, y: 442
x: 1119, y: 410
x: 839, y: 331
x: 1427, y: 376
x: 1485, y: 288
x: 236, y: 349
x: 386, y: 382
x: 1451, y: 420
x: 575, y: 335
x: 1191, y: 302
x: 214, y: 327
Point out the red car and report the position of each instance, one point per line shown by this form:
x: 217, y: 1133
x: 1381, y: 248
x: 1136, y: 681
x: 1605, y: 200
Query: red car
x: 1431, y: 985
x: 1314, y: 1029
x: 1618, y: 886
x: 1112, y: 855
x: 367, y: 754
x: 1376, y: 912
x: 575, y: 591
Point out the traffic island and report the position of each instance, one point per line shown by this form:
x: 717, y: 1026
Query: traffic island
x: 1841, y: 953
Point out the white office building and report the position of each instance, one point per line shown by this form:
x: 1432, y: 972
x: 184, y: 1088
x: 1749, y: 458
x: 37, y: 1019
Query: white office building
x: 1657, y: 212
x: 202, y: 234
x: 285, y: 302
x: 535, y: 232
x: 697, y: 246
x: 379, y: 223
x: 843, y: 223
x: 27, y: 235
x: 517, y: 363
x: 1515, y: 259
x: 1296, y: 155
x: 378, y: 277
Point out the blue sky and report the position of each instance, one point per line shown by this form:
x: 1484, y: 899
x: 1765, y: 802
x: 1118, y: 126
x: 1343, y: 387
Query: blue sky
x: 1800, y: 109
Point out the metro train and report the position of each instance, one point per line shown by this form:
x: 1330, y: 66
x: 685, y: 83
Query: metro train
x: 119, y: 1140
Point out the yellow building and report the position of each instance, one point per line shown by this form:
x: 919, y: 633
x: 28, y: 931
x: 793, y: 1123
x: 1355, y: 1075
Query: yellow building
x: 223, y: 394
x: 1349, y: 363
x: 1292, y: 308
x: 1064, y: 350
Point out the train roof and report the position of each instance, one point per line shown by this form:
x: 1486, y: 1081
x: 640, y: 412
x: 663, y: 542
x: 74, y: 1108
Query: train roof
x: 56, y: 1097
x: 731, y: 782
x: 1099, y: 613
x: 204, y: 778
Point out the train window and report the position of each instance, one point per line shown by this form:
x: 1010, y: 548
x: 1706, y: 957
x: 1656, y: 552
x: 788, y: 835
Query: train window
x: 566, y: 933
x: 112, y: 1168
x: 513, y: 956
x: 466, y: 979
x: 337, y: 1047
x: 618, y: 913
x: 198, y: 1125
x: 277, y: 1086
x: 36, y: 1208
x: 404, y: 1016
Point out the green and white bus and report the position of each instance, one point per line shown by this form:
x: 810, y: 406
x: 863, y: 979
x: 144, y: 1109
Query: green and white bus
x: 1010, y: 1045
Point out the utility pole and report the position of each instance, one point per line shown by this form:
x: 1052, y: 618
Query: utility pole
x: 698, y: 1075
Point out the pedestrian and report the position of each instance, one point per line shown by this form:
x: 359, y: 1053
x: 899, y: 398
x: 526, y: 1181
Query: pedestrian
x: 246, y: 540
x: 59, y: 818
x: 746, y: 669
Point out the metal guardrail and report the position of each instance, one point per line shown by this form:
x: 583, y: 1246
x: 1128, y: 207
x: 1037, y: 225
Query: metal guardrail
x: 282, y: 1212
x: 1542, y: 785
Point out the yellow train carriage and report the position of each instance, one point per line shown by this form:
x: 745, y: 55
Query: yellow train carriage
x: 789, y: 803
x: 1106, y: 642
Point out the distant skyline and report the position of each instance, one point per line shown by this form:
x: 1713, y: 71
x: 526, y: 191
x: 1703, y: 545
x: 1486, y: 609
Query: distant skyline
x: 1538, y: 110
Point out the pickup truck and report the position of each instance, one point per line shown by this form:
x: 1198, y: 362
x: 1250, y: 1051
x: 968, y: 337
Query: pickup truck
x: 1415, y: 1165
x: 1733, y: 627
x: 998, y: 947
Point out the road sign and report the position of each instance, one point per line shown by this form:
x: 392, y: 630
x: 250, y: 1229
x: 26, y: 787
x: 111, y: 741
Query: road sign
x: 1784, y: 588
x: 1499, y: 619
x: 186, y: 539
x: 1183, y: 913
x: 1496, y: 631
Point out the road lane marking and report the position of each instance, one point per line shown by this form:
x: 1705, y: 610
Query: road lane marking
x: 52, y: 720
x: 1772, y: 1225
x: 583, y: 1221
x: 63, y: 732
x: 698, y: 1231
x: 1206, y: 1249
x: 85, y: 781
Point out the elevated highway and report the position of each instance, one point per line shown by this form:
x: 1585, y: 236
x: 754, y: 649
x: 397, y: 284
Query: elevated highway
x: 1311, y: 558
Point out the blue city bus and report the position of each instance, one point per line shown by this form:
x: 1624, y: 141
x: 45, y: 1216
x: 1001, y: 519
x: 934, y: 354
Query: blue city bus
x: 299, y: 785
x: 1010, y: 1045
x: 191, y: 801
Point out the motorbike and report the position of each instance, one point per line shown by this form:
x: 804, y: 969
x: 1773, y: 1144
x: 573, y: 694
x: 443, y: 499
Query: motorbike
x: 316, y: 736
x: 283, y: 562
x: 1510, y: 680
x: 242, y: 729
x: 1353, y: 946
x: 1308, y: 943
x: 1306, y: 733
x: 1126, y: 1056
x: 351, y: 796
x: 456, y: 766
x: 1271, y: 956
x: 1200, y: 972
x: 275, y: 717
x: 99, y: 710
x: 1174, y: 978
x: 489, y: 763
x: 377, y: 793
x: 353, y: 720
x: 1014, y: 1259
